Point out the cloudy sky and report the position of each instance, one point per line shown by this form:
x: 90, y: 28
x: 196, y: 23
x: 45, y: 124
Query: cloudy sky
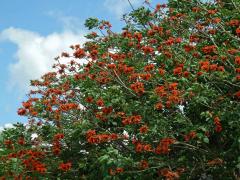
x: 33, y: 32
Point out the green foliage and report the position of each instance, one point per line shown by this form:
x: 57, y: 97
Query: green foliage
x: 91, y: 23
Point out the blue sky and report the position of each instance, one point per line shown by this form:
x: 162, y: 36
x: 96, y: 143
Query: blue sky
x: 33, y: 32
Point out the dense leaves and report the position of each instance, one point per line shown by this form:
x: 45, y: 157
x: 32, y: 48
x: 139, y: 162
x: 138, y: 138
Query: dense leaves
x: 158, y: 100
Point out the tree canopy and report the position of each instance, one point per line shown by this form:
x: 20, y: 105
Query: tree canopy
x: 158, y: 100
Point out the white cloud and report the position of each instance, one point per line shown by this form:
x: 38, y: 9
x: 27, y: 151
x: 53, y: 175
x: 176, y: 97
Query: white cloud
x: 119, y: 7
x: 1, y: 129
x: 8, y: 125
x: 35, y: 53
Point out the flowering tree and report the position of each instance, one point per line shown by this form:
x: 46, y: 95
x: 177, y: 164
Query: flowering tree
x: 158, y: 100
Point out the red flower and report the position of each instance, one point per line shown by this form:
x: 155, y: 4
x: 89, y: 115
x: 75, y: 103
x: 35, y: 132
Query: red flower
x: 119, y: 170
x: 161, y: 71
x: 79, y: 53
x: 27, y: 104
x: 237, y: 60
x: 238, y: 77
x: 189, y: 136
x: 139, y: 147
x: 89, y: 99
x: 209, y: 49
x: 40, y: 168
x: 221, y: 68
x: 237, y: 94
x: 234, y: 22
x: 21, y: 111
x: 188, y: 48
x: 163, y: 147
x: 147, y: 147
x: 143, y: 129
x: 147, y: 50
x: 65, y: 166
x: 177, y: 71
x: 149, y: 67
x: 111, y: 66
x: 136, y: 119
x: 144, y: 164
x: 146, y: 76
x: 107, y: 110
x: 173, y: 86
x: 160, y: 91
x: 238, y: 31
x: 237, y: 70
x: 90, y: 133
x: 186, y: 74
x: 138, y: 87
x: 100, y: 102
x: 56, y: 151
x: 212, y: 11
x: 21, y: 141
x: 58, y: 136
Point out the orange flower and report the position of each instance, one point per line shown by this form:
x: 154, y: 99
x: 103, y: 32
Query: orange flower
x: 213, y: 67
x: 168, y: 174
x: 195, y: 9
x: 212, y: 11
x: 217, y: 20
x: 173, y: 86
x: 177, y: 71
x: 218, y: 126
x: 147, y: 147
x: 159, y: 106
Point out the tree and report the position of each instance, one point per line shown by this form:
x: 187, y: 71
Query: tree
x: 158, y: 100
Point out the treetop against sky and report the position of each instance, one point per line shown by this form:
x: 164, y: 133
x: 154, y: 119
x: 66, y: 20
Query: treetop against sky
x: 32, y: 33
